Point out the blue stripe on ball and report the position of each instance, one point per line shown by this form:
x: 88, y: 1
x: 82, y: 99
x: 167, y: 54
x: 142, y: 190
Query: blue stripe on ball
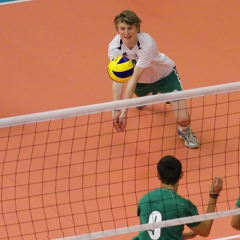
x: 123, y: 60
x: 124, y: 74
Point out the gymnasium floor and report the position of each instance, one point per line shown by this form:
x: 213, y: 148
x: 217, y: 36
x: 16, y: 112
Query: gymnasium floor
x: 54, y: 54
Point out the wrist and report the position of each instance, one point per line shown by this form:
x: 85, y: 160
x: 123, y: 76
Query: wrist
x: 213, y: 195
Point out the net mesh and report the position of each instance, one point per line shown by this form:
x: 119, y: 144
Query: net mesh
x: 67, y: 174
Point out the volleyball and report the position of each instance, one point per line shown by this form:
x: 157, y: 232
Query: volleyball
x: 120, y: 69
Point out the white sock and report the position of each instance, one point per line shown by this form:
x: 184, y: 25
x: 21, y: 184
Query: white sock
x: 182, y: 129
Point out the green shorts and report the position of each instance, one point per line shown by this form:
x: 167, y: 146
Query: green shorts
x: 167, y: 84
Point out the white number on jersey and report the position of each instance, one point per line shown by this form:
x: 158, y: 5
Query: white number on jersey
x: 155, y: 217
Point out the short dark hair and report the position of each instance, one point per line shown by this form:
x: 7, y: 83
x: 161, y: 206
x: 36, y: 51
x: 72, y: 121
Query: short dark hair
x: 169, y: 169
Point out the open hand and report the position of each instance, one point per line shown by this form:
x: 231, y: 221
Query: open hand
x: 119, y: 121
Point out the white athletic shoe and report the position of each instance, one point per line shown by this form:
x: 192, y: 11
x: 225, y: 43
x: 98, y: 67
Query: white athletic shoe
x: 189, y: 138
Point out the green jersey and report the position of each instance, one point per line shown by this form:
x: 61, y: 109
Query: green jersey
x: 238, y: 203
x: 160, y: 205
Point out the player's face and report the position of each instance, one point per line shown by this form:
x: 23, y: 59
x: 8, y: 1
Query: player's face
x: 128, y: 34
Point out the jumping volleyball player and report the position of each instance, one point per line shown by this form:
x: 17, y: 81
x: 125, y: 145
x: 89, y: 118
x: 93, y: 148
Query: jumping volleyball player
x: 154, y: 73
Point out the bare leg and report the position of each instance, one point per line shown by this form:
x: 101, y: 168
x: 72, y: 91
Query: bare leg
x: 183, y: 120
x: 181, y: 113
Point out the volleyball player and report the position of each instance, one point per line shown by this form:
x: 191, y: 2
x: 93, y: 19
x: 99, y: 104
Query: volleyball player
x: 154, y: 73
x: 165, y: 203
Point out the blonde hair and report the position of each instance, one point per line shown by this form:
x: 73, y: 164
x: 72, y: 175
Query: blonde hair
x: 128, y: 17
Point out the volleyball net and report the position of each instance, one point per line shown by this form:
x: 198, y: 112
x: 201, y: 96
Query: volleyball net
x: 66, y: 174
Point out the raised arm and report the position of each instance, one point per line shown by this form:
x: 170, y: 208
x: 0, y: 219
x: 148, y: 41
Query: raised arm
x: 204, y: 228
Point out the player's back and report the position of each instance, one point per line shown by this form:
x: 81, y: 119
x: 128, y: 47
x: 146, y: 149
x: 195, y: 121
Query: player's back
x: 163, y: 204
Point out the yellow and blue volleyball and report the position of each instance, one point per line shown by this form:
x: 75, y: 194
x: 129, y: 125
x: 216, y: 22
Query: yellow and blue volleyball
x: 120, y: 69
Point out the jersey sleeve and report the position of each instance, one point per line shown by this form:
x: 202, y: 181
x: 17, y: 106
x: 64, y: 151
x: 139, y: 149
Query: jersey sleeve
x: 139, y: 210
x: 113, y: 48
x: 112, y: 53
x: 147, y: 54
x: 192, y: 211
x: 238, y: 203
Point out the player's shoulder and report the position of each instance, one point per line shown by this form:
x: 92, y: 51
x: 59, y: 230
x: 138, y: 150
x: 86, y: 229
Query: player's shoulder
x: 145, y: 38
x: 115, y: 41
x: 150, y: 195
x: 146, y: 41
x: 184, y: 202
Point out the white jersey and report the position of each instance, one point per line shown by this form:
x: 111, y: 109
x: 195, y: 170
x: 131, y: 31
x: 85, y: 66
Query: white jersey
x: 157, y: 65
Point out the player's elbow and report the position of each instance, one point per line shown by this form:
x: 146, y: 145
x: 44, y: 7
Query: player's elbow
x: 235, y: 223
x: 204, y: 234
x: 202, y: 230
x: 237, y: 227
